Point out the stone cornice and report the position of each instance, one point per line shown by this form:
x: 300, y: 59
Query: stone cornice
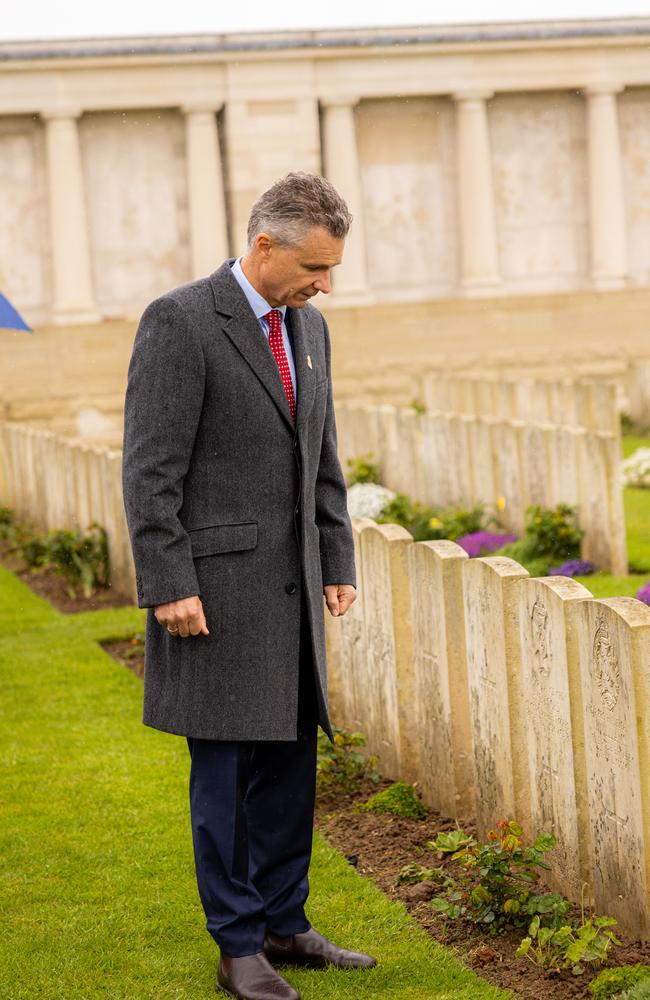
x: 538, y: 33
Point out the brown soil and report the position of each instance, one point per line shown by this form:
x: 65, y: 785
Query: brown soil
x: 127, y: 653
x: 379, y: 846
x: 54, y: 588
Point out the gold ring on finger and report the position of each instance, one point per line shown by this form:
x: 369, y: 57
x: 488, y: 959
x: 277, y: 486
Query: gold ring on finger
x: 173, y: 629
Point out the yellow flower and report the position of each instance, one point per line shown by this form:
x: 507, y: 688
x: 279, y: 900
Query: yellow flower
x: 435, y: 522
x: 501, y: 503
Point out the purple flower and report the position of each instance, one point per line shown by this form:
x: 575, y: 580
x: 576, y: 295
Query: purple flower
x: 481, y: 543
x: 644, y: 593
x: 574, y: 567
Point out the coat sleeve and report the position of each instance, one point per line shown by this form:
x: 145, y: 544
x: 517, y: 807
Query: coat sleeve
x: 332, y: 518
x: 164, y: 398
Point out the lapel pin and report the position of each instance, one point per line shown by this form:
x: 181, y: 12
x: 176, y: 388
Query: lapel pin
x: 309, y: 360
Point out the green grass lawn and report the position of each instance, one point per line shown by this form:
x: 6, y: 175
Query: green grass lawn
x: 97, y: 892
x: 637, y: 523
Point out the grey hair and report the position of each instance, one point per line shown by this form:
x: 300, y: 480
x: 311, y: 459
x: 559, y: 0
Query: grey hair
x: 294, y: 205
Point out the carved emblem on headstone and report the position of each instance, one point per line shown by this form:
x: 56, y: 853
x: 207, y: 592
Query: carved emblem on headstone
x: 607, y: 670
x: 539, y: 631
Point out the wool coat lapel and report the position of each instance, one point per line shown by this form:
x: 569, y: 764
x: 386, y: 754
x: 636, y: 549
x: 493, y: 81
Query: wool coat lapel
x: 240, y: 324
x: 303, y: 347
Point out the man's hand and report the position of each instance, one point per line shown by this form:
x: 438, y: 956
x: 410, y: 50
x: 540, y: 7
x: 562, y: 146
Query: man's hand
x: 339, y: 597
x: 183, y: 618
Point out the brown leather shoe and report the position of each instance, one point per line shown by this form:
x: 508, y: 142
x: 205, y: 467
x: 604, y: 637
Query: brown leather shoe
x: 252, y: 978
x: 312, y: 949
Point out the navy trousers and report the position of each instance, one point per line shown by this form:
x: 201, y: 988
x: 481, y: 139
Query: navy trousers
x: 252, y: 811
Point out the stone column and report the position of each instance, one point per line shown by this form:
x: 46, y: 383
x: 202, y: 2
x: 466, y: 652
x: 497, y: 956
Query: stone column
x: 341, y: 165
x: 208, y: 229
x: 606, y: 204
x: 478, y: 234
x: 73, y: 298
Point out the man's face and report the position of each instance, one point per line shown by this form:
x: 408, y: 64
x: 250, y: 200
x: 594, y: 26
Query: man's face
x: 292, y: 276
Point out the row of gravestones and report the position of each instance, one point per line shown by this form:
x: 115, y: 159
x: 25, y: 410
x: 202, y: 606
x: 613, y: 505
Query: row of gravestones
x: 56, y: 483
x: 504, y: 697
x: 571, y: 391
x: 446, y: 460
x: 565, y: 402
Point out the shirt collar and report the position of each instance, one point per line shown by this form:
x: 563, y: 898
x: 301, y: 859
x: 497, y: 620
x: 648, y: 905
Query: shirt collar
x: 258, y: 304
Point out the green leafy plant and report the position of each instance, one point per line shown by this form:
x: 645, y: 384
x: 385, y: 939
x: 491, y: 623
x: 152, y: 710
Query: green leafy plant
x: 451, y: 842
x: 418, y: 406
x: 81, y: 559
x: 342, y: 765
x: 413, y: 873
x: 569, y: 947
x: 363, y: 470
x: 30, y: 547
x: 7, y: 523
x: 496, y: 887
x: 461, y: 521
x: 427, y: 523
x: 399, y: 799
x: 610, y: 982
x: 551, y: 536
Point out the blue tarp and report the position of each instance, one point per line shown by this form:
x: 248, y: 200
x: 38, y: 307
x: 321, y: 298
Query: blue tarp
x: 9, y: 318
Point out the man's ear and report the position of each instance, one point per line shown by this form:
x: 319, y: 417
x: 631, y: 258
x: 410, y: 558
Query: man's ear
x: 264, y: 245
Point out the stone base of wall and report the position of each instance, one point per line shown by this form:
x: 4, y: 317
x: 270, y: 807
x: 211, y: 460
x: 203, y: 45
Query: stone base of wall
x: 379, y: 352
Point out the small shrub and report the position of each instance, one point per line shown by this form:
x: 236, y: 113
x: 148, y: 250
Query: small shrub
x: 363, y: 470
x: 401, y: 510
x: 461, y: 521
x: 430, y: 523
x: 632, y: 427
x: 610, y: 982
x: 31, y: 548
x: 7, y: 523
x: 551, y: 536
x: 413, y: 873
x: 569, y: 947
x: 553, y: 532
x: 399, y: 799
x: 507, y: 872
x: 342, y: 765
x: 81, y: 559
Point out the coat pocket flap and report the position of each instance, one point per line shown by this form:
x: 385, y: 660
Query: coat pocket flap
x: 223, y: 538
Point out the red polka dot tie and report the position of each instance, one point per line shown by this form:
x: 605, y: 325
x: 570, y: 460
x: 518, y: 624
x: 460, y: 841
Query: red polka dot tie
x: 274, y: 319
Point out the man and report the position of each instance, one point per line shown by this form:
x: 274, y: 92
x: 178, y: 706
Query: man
x: 236, y: 507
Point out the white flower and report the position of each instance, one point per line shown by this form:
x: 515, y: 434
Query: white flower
x: 635, y: 470
x: 368, y: 499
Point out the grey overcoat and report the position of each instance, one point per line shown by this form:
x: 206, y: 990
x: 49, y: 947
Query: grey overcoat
x: 226, y: 499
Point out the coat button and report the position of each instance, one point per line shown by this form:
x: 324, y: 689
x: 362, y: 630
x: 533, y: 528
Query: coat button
x: 290, y: 588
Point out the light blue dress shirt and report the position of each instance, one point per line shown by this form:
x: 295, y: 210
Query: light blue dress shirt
x: 260, y: 307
